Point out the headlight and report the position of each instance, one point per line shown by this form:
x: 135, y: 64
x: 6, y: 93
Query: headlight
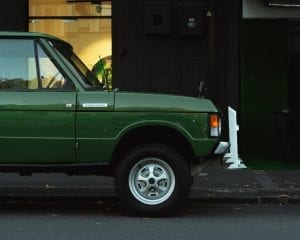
x: 215, y: 125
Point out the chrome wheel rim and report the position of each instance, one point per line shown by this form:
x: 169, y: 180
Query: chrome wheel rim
x: 151, y: 181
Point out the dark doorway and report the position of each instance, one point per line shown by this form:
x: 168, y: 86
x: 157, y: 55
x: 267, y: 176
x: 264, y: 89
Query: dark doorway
x: 293, y: 117
x: 294, y: 66
x: 264, y: 68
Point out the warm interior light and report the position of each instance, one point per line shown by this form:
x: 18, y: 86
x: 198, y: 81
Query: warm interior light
x: 90, y: 37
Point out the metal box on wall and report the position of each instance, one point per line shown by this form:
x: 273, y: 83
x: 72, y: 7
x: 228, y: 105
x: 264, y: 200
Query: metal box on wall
x: 191, y: 19
x: 157, y: 18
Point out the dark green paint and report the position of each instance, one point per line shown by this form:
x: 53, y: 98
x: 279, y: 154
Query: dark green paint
x: 85, y: 126
x: 128, y: 102
x: 103, y: 130
x: 36, y: 127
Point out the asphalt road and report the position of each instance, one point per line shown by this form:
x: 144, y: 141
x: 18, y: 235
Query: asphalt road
x: 85, y: 221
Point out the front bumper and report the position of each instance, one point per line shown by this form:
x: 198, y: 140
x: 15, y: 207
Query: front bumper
x: 222, y: 148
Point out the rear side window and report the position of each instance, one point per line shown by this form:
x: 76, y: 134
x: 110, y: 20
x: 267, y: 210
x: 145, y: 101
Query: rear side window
x: 18, y: 64
x: 25, y: 66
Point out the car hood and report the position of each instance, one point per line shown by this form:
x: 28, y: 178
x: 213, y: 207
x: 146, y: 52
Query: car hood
x: 148, y: 102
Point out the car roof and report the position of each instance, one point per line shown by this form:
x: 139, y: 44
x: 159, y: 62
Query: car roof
x: 30, y: 35
x: 25, y: 34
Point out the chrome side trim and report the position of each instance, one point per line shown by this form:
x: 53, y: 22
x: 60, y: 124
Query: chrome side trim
x: 94, y: 105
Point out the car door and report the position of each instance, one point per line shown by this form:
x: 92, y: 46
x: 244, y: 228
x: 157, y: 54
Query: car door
x: 37, y: 106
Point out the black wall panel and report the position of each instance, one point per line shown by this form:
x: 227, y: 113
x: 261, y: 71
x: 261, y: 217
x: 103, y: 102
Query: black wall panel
x: 14, y: 15
x: 176, y: 59
x: 191, y: 18
x: 161, y: 59
x: 157, y: 17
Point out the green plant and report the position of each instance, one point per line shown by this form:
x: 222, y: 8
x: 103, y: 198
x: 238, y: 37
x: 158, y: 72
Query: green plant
x: 102, y: 70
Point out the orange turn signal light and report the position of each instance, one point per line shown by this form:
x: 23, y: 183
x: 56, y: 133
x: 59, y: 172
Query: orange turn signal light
x: 214, y: 121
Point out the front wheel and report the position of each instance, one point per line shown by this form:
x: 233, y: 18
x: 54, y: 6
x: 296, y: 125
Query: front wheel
x: 153, y: 179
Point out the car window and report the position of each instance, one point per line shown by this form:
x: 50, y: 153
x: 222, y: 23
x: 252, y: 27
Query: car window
x: 17, y: 65
x: 50, y: 75
x: 76, y: 65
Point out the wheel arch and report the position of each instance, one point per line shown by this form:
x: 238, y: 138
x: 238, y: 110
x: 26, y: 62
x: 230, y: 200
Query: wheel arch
x: 152, y: 134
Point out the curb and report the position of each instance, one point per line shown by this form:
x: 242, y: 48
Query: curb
x: 244, y: 196
x: 197, y: 195
x: 250, y: 200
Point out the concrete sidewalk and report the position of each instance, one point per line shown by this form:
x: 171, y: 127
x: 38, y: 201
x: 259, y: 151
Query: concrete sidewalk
x: 214, y: 184
x: 258, y: 186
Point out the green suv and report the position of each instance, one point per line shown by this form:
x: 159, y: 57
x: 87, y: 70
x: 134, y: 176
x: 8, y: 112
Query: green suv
x: 55, y: 116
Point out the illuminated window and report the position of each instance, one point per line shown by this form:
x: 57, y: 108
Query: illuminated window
x: 86, y: 25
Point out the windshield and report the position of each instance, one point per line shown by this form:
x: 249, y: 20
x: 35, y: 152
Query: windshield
x: 76, y: 65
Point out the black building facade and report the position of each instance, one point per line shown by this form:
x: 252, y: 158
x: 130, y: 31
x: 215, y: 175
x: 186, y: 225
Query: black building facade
x: 171, y: 46
x: 14, y: 16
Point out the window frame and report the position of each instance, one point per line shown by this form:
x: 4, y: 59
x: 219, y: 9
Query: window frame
x: 56, y: 64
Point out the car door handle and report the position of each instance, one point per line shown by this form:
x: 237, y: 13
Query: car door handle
x: 69, y: 105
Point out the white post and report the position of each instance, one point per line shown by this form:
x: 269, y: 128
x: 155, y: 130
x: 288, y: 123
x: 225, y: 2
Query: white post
x: 232, y: 157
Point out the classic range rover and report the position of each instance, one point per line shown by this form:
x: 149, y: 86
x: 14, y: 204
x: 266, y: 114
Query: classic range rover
x: 55, y: 116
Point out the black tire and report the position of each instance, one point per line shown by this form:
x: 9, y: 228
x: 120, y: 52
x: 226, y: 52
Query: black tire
x: 153, y: 180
